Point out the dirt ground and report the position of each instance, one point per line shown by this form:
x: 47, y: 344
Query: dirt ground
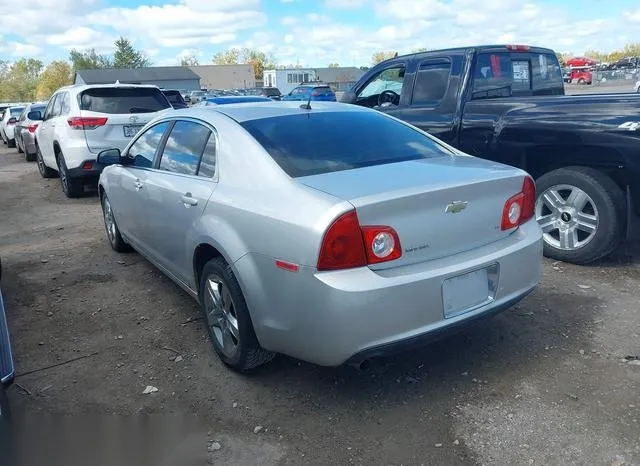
x: 551, y: 381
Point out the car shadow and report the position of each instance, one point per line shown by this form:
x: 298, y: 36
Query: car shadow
x: 530, y: 334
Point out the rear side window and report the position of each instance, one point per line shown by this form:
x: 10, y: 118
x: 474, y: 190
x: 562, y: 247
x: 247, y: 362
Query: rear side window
x: 325, y: 90
x: 504, y: 74
x: 299, y: 143
x: 123, y: 100
x: 184, y: 148
x: 431, y: 82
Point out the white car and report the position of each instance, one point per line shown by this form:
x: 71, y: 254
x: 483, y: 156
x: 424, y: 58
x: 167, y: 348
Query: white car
x: 8, y: 125
x: 82, y: 120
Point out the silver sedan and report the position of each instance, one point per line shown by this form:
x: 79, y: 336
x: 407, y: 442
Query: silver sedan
x: 330, y: 233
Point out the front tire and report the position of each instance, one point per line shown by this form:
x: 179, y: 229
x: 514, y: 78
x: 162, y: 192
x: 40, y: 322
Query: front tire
x: 582, y: 213
x: 113, y: 232
x: 45, y: 172
x: 70, y: 187
x: 227, y: 317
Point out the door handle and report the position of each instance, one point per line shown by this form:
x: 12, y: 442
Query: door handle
x: 138, y: 184
x: 188, y: 200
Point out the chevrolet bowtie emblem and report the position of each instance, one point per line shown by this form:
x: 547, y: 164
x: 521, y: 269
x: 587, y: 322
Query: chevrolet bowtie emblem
x: 456, y: 206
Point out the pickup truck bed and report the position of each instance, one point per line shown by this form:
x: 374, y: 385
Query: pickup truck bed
x: 507, y: 104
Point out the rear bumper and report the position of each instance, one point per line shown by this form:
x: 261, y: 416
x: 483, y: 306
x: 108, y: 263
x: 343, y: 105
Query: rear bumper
x: 7, y: 370
x: 88, y: 169
x: 329, y: 318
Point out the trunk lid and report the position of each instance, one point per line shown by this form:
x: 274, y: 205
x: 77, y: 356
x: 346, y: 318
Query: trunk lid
x: 439, y: 206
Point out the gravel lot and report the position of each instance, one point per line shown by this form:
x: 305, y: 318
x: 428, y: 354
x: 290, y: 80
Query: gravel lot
x: 544, y: 383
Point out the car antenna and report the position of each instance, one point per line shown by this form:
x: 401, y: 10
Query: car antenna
x: 307, y: 106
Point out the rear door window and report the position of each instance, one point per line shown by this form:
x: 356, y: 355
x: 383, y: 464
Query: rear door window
x: 123, y: 100
x: 299, y: 142
x: 432, y: 81
x: 506, y: 74
x: 184, y: 147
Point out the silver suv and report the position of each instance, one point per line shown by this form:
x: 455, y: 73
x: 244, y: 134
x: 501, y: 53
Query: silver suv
x: 82, y: 120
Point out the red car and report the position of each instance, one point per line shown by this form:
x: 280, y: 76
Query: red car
x: 582, y: 75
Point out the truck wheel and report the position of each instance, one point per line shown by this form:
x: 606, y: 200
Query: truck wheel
x: 582, y: 213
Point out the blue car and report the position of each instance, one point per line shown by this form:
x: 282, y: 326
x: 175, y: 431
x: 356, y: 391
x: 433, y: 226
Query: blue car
x: 238, y: 99
x: 307, y: 92
x: 7, y: 371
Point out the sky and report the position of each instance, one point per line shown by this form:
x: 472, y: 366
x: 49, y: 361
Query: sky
x: 309, y: 32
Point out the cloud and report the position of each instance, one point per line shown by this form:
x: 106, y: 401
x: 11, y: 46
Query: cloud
x: 344, y: 4
x: 19, y: 49
x: 289, y: 20
x: 633, y: 15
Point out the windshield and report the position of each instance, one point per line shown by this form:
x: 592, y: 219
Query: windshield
x: 123, y: 100
x: 300, y: 144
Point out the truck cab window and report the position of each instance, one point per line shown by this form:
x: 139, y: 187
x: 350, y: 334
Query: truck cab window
x: 431, y: 82
x: 384, y: 89
x: 493, y: 75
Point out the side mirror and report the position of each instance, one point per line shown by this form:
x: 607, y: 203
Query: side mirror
x: 35, y: 115
x: 349, y: 97
x: 12, y: 121
x: 109, y: 157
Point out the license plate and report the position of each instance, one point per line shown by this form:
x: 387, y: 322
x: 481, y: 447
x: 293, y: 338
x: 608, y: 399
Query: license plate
x: 131, y: 130
x: 463, y: 293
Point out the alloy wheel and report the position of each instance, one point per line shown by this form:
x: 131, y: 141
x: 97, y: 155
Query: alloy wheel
x: 109, y: 221
x: 40, y: 161
x: 568, y: 217
x: 221, y: 315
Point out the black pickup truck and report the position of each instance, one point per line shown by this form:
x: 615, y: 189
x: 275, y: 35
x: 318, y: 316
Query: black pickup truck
x: 507, y: 104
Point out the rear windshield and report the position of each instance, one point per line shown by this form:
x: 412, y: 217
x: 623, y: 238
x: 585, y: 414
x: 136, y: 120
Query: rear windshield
x: 123, y: 100
x: 270, y: 91
x: 174, y: 97
x: 322, y: 90
x: 314, y: 143
x: 16, y: 111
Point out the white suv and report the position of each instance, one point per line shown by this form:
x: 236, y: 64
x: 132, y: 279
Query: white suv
x: 82, y: 120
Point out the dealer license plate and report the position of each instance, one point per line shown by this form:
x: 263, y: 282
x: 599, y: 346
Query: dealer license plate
x: 465, y: 292
x: 131, y: 130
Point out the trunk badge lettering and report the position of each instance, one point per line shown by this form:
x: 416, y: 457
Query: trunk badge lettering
x: 456, y: 206
x: 133, y: 119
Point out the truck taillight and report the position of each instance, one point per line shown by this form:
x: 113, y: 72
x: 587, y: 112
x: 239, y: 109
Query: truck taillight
x: 347, y: 245
x: 86, y: 122
x: 519, y: 208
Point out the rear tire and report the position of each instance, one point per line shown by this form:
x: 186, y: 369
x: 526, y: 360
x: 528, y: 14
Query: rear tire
x: 229, y: 321
x: 70, y: 187
x: 590, y: 204
x: 45, y: 172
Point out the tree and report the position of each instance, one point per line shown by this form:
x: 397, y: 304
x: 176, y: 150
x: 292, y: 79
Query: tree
x: 55, y: 75
x: 125, y: 56
x: 89, y: 60
x: 228, y: 57
x: 189, y: 60
x: 382, y: 56
x: 334, y: 65
x: 20, y: 80
x: 255, y: 57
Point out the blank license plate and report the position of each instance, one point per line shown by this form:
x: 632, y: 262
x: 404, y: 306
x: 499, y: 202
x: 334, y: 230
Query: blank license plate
x: 131, y: 130
x: 464, y: 292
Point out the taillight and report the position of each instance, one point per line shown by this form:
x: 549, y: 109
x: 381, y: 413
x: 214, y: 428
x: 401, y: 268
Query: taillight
x: 519, y: 208
x: 381, y: 244
x: 346, y: 245
x: 32, y: 128
x: 519, y: 48
x: 86, y: 122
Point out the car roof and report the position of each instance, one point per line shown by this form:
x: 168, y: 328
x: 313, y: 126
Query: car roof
x: 259, y: 110
x: 236, y: 99
x: 313, y: 85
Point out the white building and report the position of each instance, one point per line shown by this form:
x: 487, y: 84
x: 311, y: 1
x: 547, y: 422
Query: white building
x: 287, y: 80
